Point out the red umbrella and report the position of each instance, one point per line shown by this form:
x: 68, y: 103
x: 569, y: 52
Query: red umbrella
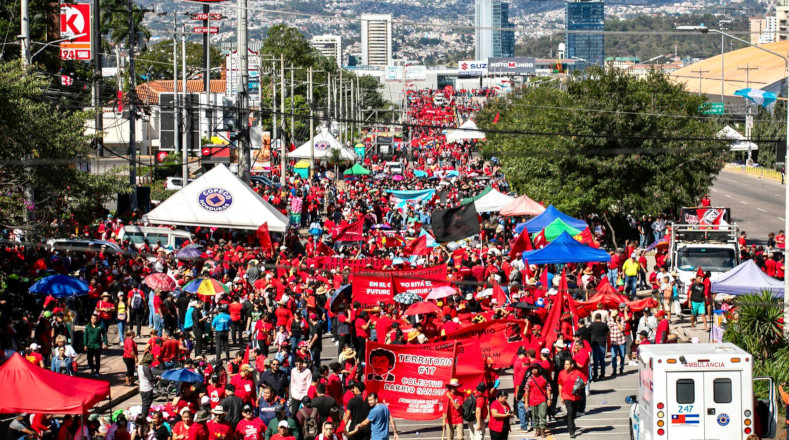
x: 422, y: 308
x: 160, y: 281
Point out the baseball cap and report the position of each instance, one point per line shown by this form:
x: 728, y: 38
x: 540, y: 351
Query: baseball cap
x: 230, y: 387
x: 283, y: 424
x: 545, y: 351
x: 247, y: 408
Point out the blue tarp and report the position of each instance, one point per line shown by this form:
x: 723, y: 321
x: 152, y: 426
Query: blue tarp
x: 546, y: 218
x: 747, y: 278
x: 565, y: 249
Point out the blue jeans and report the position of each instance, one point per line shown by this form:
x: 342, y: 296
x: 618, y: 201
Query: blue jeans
x: 121, y: 328
x: 618, y: 351
x: 630, y: 284
x: 158, y: 323
x: 657, y: 236
x: 642, y: 241
x: 150, y: 315
x: 613, y: 274
x: 524, y: 421
x: 598, y: 358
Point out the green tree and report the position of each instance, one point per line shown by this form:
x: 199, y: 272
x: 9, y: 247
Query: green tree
x: 606, y: 143
x: 757, y: 329
x: 34, y: 125
x: 157, y: 61
x: 115, y: 21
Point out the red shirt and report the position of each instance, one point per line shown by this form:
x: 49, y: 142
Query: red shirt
x: 360, y: 332
x: 539, y: 390
x: 250, y: 429
x: 215, y: 394
x: 122, y: 435
x: 219, y: 431
x: 129, y: 348
x: 497, y: 424
x: 661, y: 332
x: 245, y: 388
x: 454, y: 416
x: 278, y: 436
x: 170, y: 350
x: 235, y: 311
x: 481, y: 402
x: 566, y: 382
x: 198, y: 431
x: 105, y: 305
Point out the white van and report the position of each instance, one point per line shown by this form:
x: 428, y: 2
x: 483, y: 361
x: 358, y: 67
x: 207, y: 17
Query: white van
x: 699, y: 391
x: 169, y: 238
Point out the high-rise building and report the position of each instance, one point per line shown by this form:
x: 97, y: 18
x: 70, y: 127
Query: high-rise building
x: 329, y: 46
x: 782, y: 19
x: 377, y: 39
x: 490, y: 17
x: 585, y: 15
x: 763, y: 29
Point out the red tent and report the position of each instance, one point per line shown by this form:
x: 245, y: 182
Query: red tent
x: 29, y: 388
x: 610, y: 299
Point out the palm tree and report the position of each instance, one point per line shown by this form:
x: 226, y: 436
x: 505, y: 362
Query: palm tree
x: 757, y: 329
x: 115, y: 21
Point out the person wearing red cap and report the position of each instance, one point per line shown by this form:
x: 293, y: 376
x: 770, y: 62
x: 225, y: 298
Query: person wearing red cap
x: 661, y: 333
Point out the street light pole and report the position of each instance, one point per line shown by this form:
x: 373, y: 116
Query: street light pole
x: 704, y: 29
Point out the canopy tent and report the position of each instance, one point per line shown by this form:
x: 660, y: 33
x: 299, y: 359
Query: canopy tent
x: 467, y: 131
x: 357, y: 170
x: 610, y: 299
x: 489, y: 200
x: 60, y: 286
x: 565, y: 249
x: 522, y: 205
x: 747, y: 278
x: 739, y: 142
x: 324, y: 144
x: 304, y: 163
x: 549, y: 216
x: 218, y: 199
x: 28, y: 388
x: 556, y: 228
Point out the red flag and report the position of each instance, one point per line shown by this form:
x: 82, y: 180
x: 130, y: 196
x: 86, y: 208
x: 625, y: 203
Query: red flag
x: 562, y: 303
x: 263, y: 237
x: 389, y: 241
x: 539, y: 240
x: 350, y: 232
x: 496, y: 118
x: 246, y: 356
x: 417, y: 247
x: 522, y: 243
x: 586, y: 238
x: 499, y: 295
x: 323, y: 249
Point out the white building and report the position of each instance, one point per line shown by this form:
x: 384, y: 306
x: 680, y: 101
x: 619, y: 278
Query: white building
x: 764, y: 29
x: 376, y: 39
x: 330, y: 46
x: 782, y: 19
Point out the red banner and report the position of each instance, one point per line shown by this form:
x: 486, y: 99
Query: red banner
x: 418, y: 286
x: 498, y: 339
x: 329, y: 263
x: 410, y: 379
x: 470, y: 366
x: 371, y: 291
x: 420, y: 281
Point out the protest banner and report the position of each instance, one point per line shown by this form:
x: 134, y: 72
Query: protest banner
x: 421, y: 287
x: 409, y: 379
x: 470, y: 367
x: 338, y: 263
x: 498, y: 339
x: 420, y: 280
x: 371, y: 291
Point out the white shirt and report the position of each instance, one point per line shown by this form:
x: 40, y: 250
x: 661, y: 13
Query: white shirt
x: 300, y: 383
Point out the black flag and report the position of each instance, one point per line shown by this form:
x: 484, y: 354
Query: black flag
x: 455, y: 223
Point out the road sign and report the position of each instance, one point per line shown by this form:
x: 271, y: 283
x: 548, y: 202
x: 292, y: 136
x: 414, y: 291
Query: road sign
x: 712, y: 108
x: 205, y: 30
x: 212, y: 16
x: 749, y: 121
x: 75, y: 24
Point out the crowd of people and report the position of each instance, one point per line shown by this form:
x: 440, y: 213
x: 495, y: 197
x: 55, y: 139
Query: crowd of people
x: 277, y: 314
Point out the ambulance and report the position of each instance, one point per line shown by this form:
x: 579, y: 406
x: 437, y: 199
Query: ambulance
x: 699, y: 392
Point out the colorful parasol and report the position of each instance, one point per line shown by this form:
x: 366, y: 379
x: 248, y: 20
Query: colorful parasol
x: 206, y: 287
x: 422, y: 308
x: 407, y: 298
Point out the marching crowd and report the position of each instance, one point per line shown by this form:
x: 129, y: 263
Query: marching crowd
x: 279, y: 307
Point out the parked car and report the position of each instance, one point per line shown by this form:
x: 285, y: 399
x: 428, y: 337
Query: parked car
x: 265, y: 181
x: 83, y: 245
x: 175, y: 183
x: 170, y: 239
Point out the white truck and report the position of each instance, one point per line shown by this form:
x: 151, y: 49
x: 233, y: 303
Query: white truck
x: 699, y: 392
x: 698, y: 245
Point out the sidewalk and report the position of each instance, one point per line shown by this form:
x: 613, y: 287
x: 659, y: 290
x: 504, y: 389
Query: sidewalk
x: 759, y: 172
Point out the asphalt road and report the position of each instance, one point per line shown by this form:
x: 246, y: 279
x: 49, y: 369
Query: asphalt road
x: 757, y: 205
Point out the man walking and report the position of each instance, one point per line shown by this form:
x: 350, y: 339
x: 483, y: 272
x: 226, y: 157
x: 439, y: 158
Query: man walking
x: 221, y: 326
x: 631, y: 268
x: 379, y: 419
x: 95, y: 338
x: 146, y: 382
x: 599, y: 332
x: 616, y: 328
x: 697, y: 303
x: 571, y: 385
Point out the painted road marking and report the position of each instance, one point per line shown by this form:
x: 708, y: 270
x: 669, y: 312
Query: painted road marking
x: 727, y: 195
x: 744, y: 203
x: 714, y: 190
x: 760, y: 209
x: 781, y: 219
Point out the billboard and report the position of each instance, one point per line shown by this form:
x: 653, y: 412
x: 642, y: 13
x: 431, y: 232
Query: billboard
x: 467, y: 68
x: 75, y: 24
x: 395, y: 73
x: 512, y: 66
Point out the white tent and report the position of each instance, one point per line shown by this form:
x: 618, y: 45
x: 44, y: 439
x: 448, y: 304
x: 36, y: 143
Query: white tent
x: 739, y: 142
x: 467, y: 131
x: 218, y: 199
x: 324, y: 143
x: 489, y: 200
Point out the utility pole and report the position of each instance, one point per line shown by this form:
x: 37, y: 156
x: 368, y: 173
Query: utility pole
x: 312, y: 122
x: 25, y: 34
x: 352, y: 112
x: 341, y: 110
x: 274, y: 131
x: 132, y: 111
x: 292, y: 105
x: 283, y: 149
x: 748, y: 116
x: 699, y: 72
x: 207, y: 78
x: 182, y: 110
x: 244, y: 169
x: 176, y: 100
x: 28, y: 215
x: 328, y: 98
x: 98, y: 121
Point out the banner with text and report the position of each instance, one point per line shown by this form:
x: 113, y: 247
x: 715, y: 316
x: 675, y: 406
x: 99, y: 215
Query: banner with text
x: 410, y: 379
x: 498, y: 339
x: 420, y: 281
x: 372, y: 291
x: 338, y: 263
x: 470, y: 366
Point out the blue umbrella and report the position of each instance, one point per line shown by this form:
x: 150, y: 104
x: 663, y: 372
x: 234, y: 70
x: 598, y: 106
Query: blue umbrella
x: 420, y: 173
x: 452, y: 173
x: 341, y: 296
x: 182, y: 375
x: 191, y: 251
x: 59, y: 286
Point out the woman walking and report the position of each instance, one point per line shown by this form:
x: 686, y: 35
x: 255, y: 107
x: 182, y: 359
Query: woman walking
x: 500, y: 414
x: 536, y: 394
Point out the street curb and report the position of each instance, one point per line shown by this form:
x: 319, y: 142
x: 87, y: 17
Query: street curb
x: 114, y: 400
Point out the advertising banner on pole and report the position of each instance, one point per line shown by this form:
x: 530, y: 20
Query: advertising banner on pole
x: 410, y: 379
x: 512, y: 66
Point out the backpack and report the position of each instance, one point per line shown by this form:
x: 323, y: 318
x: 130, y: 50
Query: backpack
x: 309, y: 426
x: 470, y: 408
x: 137, y: 300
